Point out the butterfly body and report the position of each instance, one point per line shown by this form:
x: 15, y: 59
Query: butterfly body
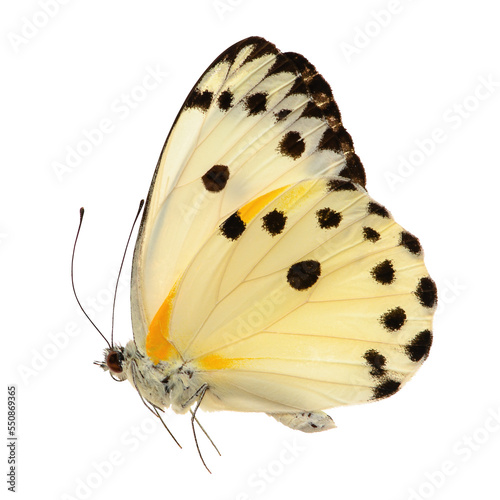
x: 176, y: 385
x: 164, y: 384
x: 265, y: 278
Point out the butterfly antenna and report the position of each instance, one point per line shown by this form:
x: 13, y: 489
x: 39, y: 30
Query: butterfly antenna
x: 82, y: 211
x: 141, y: 204
x: 202, y: 390
x: 153, y: 410
x: 206, y: 433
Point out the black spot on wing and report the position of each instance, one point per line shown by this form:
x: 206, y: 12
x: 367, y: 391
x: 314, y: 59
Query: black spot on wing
x: 410, y: 242
x: 282, y: 114
x: 225, y: 100
x: 354, y: 169
x: 386, y: 389
x: 328, y: 218
x: 274, y: 222
x: 376, y: 209
x: 311, y: 111
x: 383, y: 272
x: 232, y: 228
x: 292, y: 145
x: 304, y: 274
x: 377, y: 362
x: 215, y: 179
x: 370, y: 234
x: 426, y: 292
x: 282, y: 64
x: 344, y: 138
x: 331, y: 112
x: 199, y: 100
x: 330, y: 141
x: 298, y: 87
x: 304, y: 67
x: 393, y: 319
x: 419, y: 346
x: 256, y: 103
x: 260, y: 48
x: 317, y: 88
x: 340, y: 185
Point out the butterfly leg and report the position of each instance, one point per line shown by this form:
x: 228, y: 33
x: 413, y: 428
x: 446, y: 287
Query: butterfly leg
x: 201, y: 392
x: 305, y: 421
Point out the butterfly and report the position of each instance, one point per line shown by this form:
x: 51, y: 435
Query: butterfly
x: 264, y: 277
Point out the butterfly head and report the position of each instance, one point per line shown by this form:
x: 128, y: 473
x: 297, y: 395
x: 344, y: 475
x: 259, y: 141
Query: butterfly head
x: 114, y: 362
x: 158, y: 384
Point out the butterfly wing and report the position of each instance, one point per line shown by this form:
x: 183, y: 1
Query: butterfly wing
x: 308, y: 298
x: 257, y: 120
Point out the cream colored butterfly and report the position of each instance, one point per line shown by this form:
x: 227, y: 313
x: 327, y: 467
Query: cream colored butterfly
x: 265, y: 278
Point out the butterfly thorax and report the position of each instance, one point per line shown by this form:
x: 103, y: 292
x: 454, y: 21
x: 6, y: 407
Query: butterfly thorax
x: 163, y: 384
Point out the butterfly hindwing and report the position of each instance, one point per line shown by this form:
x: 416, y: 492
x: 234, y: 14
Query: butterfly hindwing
x: 257, y: 120
x: 306, y: 298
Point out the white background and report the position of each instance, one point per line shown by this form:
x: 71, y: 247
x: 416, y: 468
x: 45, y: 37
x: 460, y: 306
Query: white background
x: 420, y: 68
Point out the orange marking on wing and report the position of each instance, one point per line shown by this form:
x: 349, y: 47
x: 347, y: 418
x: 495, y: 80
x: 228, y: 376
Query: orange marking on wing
x: 297, y: 195
x: 215, y: 362
x: 158, y: 348
x: 251, y: 209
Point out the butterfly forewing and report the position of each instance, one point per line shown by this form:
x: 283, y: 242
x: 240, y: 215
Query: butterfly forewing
x: 257, y: 120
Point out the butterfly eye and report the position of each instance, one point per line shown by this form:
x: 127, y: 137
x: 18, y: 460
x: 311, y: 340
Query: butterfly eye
x: 114, y: 361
